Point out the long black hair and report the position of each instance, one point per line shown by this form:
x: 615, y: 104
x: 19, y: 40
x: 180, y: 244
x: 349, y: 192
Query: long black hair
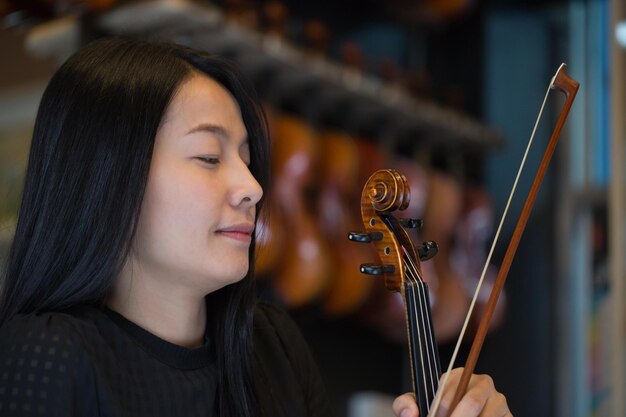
x: 87, y: 172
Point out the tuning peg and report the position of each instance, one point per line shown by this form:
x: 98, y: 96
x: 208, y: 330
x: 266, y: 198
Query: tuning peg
x: 427, y: 250
x: 365, y: 237
x: 372, y: 269
x: 411, y: 223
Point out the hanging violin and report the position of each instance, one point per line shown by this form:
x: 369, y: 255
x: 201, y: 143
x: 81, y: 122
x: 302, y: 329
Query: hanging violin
x: 387, y: 191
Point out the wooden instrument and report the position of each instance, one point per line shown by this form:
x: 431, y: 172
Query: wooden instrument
x: 385, y: 192
x: 302, y: 275
x: 339, y: 170
x: 271, y: 236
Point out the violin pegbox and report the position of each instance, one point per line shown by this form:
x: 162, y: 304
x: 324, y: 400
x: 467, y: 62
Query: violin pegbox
x: 385, y: 192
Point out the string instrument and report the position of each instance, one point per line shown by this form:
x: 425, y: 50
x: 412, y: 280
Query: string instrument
x: 339, y: 170
x: 385, y: 192
x: 384, y: 310
x: 302, y: 275
x: 391, y: 319
x: 241, y: 13
x: 270, y: 236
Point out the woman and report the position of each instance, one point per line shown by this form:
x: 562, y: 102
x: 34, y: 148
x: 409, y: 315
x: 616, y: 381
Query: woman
x: 129, y: 287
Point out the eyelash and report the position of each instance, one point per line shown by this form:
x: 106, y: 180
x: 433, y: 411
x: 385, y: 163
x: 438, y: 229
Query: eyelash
x: 209, y: 160
x: 213, y: 160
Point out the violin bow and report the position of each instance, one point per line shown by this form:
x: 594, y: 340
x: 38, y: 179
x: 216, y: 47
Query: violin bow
x: 567, y: 85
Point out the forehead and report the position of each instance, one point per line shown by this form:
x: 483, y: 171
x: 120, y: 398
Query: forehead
x: 199, y: 100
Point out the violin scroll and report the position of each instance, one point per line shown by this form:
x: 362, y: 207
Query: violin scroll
x: 385, y: 192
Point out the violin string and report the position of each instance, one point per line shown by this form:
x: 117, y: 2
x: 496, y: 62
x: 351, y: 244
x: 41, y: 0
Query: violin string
x: 413, y: 280
x: 435, y: 368
x: 432, y: 369
x: 424, y: 307
x: 482, y: 276
x: 430, y: 389
x: 432, y: 365
x: 413, y: 273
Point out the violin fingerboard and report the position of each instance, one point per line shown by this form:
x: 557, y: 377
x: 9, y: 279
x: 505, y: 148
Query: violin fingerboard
x: 425, y: 365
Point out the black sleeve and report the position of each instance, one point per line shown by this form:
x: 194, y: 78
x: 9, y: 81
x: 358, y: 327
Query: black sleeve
x: 43, y: 369
x: 289, y: 375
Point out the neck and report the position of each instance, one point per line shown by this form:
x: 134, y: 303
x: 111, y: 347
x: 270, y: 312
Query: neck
x: 425, y: 366
x: 168, y: 313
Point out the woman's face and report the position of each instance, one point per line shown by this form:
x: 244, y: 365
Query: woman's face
x: 197, y: 216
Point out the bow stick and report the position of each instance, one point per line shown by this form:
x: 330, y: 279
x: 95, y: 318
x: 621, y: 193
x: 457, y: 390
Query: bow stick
x: 563, y: 82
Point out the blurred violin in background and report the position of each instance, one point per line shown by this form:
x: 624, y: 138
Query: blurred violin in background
x: 338, y: 173
x: 303, y: 273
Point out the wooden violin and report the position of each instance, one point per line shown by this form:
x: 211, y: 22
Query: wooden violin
x: 385, y: 192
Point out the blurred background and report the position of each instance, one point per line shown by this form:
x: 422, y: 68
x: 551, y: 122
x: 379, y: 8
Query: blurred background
x: 446, y: 92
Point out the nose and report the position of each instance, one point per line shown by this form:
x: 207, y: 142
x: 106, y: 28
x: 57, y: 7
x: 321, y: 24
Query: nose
x: 247, y: 191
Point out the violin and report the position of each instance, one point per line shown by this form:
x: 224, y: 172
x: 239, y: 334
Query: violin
x: 339, y: 170
x: 270, y: 236
x: 384, y: 310
x: 302, y: 274
x: 385, y: 192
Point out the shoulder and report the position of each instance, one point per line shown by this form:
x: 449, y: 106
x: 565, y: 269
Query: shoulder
x: 45, y: 334
x: 52, y: 334
x: 283, y: 356
x: 273, y: 323
x: 268, y: 315
x: 42, y: 363
x: 276, y: 334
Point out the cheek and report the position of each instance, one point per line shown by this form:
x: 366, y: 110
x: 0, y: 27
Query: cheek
x: 178, y: 210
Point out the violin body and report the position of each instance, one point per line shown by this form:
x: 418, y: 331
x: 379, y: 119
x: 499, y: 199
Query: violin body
x: 303, y: 273
x: 339, y: 170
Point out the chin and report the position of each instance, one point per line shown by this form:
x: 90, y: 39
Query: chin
x: 233, y: 277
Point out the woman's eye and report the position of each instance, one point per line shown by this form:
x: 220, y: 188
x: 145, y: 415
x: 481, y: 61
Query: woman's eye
x: 210, y: 160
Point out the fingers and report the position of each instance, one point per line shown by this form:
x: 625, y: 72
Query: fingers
x: 405, y: 406
x: 496, y: 406
x: 480, y: 400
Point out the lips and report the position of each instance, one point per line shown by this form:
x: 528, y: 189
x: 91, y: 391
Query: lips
x: 241, y: 232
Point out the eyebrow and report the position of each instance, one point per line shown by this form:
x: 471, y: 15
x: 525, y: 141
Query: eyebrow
x: 218, y: 130
x: 210, y: 128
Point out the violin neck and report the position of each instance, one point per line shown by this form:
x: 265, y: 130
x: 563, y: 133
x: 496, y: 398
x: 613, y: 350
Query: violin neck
x: 425, y: 366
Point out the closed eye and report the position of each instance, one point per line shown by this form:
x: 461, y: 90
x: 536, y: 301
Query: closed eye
x: 209, y: 160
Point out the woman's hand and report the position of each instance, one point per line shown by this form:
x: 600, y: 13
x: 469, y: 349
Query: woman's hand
x: 480, y: 400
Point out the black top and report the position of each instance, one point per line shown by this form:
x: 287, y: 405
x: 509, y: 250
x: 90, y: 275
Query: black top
x: 94, y: 362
